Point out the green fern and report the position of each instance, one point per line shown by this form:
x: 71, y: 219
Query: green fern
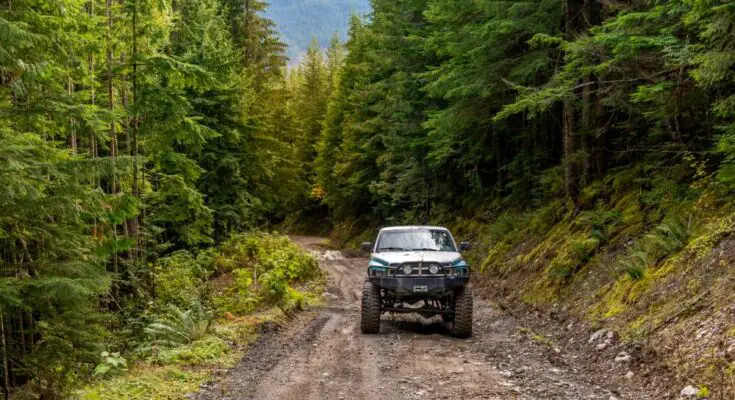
x: 177, y: 327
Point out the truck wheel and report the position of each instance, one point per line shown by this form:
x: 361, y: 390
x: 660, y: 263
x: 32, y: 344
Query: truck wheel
x: 370, y: 318
x: 462, y: 327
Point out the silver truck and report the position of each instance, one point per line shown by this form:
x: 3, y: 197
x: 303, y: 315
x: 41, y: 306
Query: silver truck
x: 417, y: 269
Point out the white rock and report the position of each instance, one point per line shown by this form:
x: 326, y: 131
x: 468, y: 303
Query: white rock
x: 602, y: 346
x: 623, y: 357
x: 630, y: 375
x: 731, y: 350
x: 597, y: 336
x: 689, y: 391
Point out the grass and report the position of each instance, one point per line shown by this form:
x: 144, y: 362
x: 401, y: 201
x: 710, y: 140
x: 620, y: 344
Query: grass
x: 174, y: 373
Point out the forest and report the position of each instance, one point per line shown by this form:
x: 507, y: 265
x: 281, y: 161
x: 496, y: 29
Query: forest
x: 139, y: 141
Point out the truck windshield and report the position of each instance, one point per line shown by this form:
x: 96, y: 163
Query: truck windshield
x: 416, y: 240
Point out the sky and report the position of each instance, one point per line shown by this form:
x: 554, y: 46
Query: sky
x: 299, y: 21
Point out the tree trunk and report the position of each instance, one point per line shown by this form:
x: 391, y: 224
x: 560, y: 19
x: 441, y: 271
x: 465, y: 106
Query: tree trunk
x: 72, y: 128
x: 110, y: 96
x: 600, y: 141
x: 113, y: 144
x: 93, y: 139
x: 134, y: 150
x: 23, y: 347
x: 571, y: 9
x: 246, y: 33
x: 587, y: 127
x: 570, y: 170
x: 6, y: 370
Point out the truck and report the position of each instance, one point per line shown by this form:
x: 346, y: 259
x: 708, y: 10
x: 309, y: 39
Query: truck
x: 417, y: 269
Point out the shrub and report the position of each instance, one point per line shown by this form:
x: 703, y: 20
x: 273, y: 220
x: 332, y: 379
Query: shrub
x: 180, y: 279
x: 264, y: 268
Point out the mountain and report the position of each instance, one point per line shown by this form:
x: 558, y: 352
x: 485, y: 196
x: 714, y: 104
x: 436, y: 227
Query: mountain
x: 301, y: 20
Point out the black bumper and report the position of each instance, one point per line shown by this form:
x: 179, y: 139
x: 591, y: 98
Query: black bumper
x: 419, y: 287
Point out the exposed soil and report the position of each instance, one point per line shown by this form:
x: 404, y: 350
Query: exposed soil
x: 323, y: 355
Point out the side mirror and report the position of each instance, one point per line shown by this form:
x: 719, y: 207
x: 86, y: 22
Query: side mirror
x: 464, y: 246
x: 366, y: 247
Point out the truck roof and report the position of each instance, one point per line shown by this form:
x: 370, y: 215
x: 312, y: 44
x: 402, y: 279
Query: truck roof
x: 412, y: 227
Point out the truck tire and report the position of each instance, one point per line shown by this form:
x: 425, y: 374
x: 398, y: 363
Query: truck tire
x: 462, y: 327
x: 370, y: 318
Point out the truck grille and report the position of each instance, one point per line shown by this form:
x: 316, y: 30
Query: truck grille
x: 419, y: 269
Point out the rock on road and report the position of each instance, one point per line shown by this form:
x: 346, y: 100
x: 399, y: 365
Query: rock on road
x: 323, y: 355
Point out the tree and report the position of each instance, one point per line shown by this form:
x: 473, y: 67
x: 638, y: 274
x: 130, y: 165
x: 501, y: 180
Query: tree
x: 311, y: 102
x: 115, y: 116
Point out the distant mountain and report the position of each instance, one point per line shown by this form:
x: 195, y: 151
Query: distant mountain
x: 301, y: 20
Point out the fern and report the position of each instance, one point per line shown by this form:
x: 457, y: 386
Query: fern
x: 666, y: 238
x: 177, y: 327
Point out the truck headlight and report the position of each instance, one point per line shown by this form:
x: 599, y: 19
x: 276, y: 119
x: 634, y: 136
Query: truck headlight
x: 407, y: 269
x: 434, y: 269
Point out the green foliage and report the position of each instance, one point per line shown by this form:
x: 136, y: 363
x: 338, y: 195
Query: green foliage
x: 133, y: 135
x: 265, y: 268
x: 601, y: 223
x: 463, y: 103
x: 180, y: 279
x: 666, y: 238
x: 111, y: 363
x: 200, y: 351
x: 179, y: 326
x: 181, y: 347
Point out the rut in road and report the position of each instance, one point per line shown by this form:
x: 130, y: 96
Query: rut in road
x: 323, y: 355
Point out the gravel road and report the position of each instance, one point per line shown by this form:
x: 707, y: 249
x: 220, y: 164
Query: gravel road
x: 323, y: 355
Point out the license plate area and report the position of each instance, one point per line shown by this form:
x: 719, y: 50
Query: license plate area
x: 420, y: 289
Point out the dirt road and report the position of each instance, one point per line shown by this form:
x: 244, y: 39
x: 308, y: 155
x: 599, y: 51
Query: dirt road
x: 323, y: 355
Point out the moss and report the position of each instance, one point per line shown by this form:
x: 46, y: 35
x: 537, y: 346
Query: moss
x: 540, y: 292
x: 710, y: 235
x: 494, y: 260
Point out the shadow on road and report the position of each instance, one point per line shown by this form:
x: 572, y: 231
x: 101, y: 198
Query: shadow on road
x: 417, y: 326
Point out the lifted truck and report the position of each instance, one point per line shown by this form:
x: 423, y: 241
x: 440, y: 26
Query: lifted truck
x: 410, y: 265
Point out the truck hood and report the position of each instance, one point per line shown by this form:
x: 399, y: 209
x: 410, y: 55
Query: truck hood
x: 398, y: 257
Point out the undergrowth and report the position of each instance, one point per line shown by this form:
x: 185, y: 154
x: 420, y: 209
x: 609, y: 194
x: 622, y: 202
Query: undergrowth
x: 207, y: 310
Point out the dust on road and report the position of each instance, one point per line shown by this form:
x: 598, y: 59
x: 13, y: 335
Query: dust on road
x: 323, y: 355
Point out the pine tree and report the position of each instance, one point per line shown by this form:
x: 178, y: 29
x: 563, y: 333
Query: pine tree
x: 311, y: 101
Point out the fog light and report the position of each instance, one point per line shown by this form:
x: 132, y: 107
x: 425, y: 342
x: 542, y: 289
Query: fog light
x: 434, y: 269
x: 407, y: 269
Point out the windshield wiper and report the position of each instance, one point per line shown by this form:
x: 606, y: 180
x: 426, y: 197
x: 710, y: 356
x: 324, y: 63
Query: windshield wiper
x: 391, y: 249
x: 424, y: 249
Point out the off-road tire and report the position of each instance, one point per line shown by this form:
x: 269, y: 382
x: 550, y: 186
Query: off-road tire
x: 462, y: 326
x: 370, y: 316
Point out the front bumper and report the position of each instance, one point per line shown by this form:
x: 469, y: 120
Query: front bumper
x: 419, y: 287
